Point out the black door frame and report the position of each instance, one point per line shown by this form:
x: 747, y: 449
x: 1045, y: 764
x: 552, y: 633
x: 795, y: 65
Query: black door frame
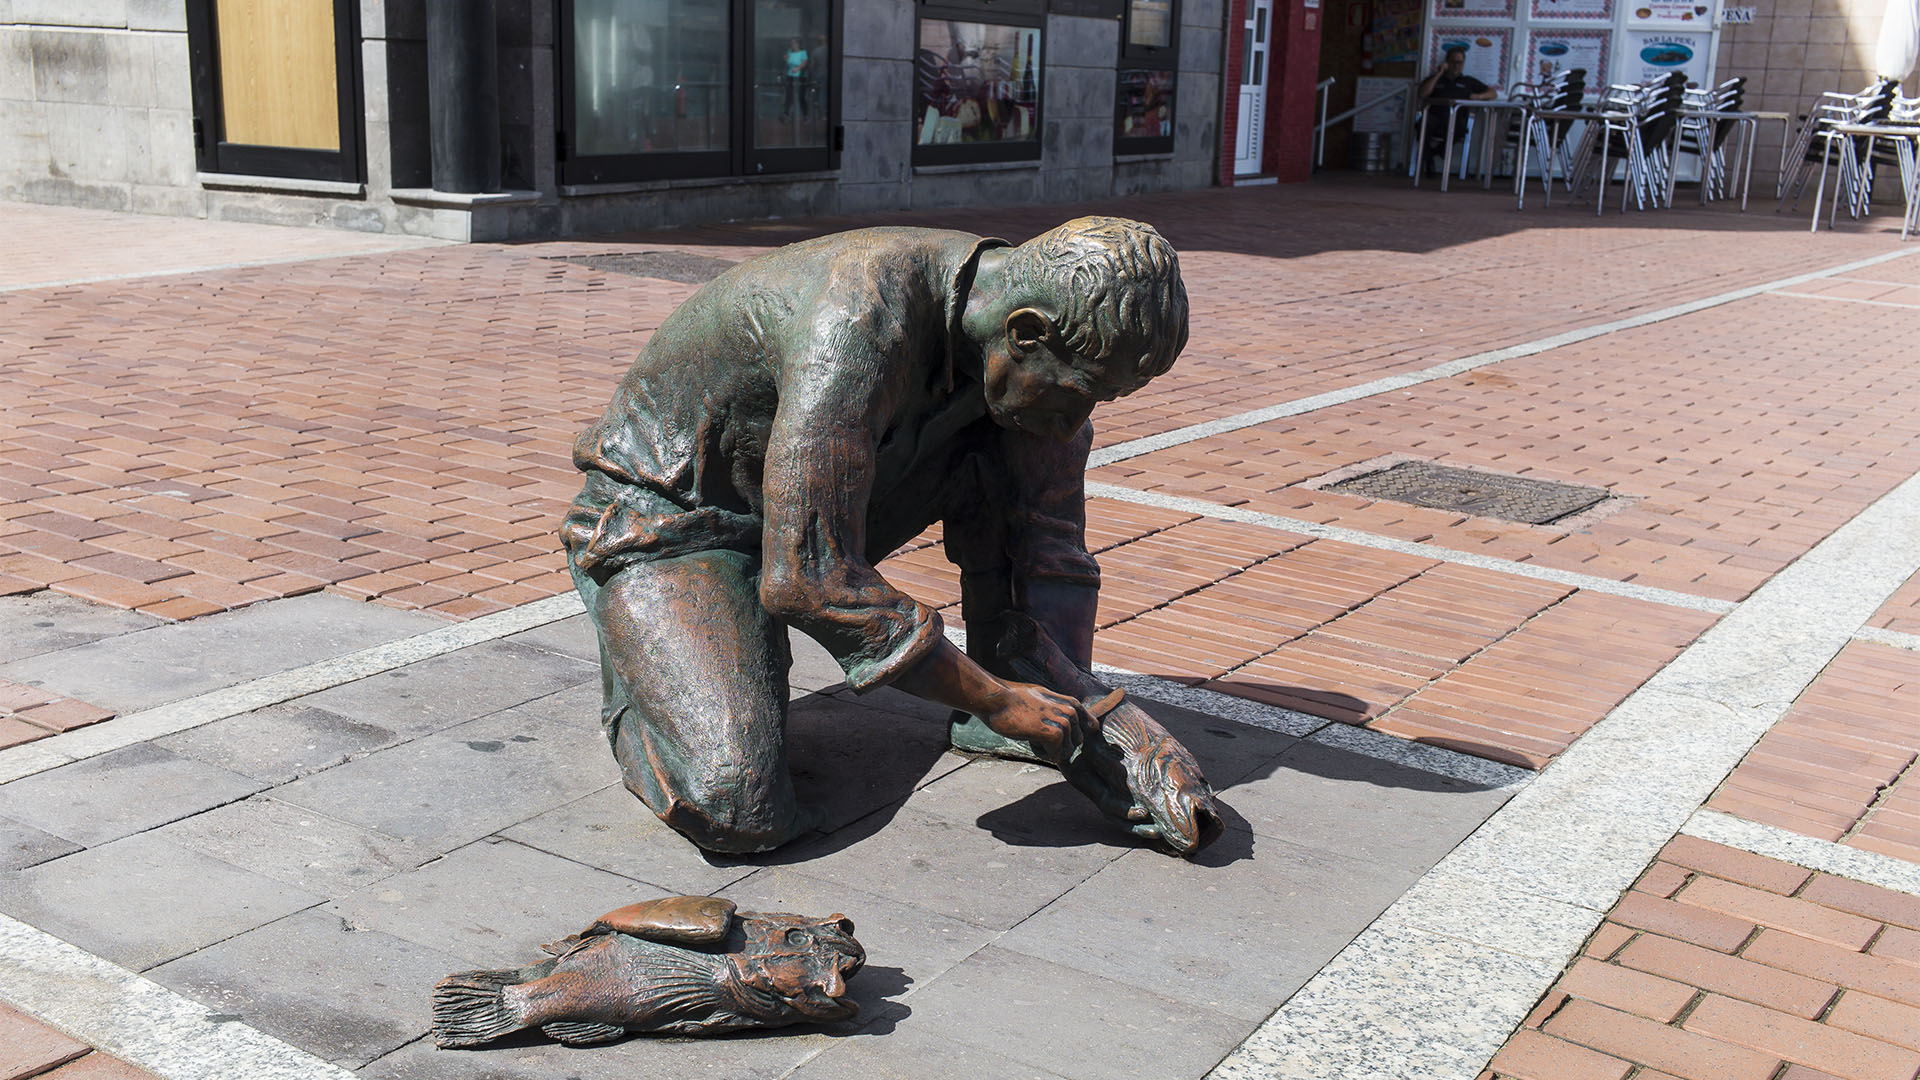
x: 215, y: 154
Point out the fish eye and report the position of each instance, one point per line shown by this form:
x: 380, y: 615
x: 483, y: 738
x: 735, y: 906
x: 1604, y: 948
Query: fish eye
x: 799, y: 938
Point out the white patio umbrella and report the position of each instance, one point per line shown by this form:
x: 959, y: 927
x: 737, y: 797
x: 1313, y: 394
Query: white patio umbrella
x: 1899, y: 45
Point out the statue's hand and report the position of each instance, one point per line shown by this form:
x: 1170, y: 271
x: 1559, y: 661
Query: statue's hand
x: 1042, y: 717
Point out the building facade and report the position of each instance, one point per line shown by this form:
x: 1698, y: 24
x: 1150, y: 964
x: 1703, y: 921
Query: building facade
x: 498, y: 119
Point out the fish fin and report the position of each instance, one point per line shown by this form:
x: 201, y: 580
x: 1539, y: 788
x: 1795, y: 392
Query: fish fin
x: 577, y: 1033
x: 468, y: 1009
x: 566, y: 945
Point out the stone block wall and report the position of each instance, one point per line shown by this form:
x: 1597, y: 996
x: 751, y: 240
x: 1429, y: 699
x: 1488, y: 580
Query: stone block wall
x: 1791, y: 52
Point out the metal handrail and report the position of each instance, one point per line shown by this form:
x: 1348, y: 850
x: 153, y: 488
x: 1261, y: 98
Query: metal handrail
x: 1320, y: 130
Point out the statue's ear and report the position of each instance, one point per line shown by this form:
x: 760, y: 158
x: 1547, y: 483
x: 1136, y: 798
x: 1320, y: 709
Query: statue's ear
x: 677, y: 920
x: 1028, y: 328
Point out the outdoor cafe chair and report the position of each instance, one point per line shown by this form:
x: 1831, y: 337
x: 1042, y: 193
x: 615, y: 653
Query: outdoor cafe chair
x: 1813, y: 144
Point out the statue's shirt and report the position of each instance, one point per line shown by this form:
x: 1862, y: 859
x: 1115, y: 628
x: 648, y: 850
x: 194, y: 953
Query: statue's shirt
x: 805, y: 407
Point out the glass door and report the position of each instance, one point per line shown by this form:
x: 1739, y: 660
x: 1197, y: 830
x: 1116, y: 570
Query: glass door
x: 1255, y: 46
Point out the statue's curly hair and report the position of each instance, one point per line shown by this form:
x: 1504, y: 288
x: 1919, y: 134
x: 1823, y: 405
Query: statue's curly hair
x: 1119, y: 304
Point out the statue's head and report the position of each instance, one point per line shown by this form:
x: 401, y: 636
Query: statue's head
x: 1093, y: 310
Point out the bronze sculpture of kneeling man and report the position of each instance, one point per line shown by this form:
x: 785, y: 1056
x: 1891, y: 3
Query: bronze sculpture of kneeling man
x: 798, y: 419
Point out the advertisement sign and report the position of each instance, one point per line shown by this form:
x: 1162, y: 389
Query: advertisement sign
x: 1655, y: 54
x: 1392, y: 108
x: 1486, y: 48
x: 1669, y: 11
x: 1395, y: 31
x: 1573, y: 9
x: 1472, y: 9
x: 1550, y: 52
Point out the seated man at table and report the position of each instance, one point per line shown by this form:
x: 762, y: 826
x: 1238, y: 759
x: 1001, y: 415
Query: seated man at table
x: 1449, y: 82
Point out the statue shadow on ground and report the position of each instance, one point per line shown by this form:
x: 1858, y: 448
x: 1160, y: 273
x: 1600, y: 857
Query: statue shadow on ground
x: 860, y: 764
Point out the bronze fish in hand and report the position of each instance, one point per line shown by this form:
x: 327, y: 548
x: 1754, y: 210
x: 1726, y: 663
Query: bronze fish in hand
x: 682, y: 965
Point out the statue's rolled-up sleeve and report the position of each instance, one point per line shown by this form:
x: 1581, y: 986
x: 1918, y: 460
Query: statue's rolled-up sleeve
x: 815, y: 575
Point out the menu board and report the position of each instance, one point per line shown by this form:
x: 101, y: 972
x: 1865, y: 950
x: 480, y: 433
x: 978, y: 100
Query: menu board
x: 1669, y: 11
x: 1573, y: 9
x: 1472, y: 9
x: 1550, y: 52
x: 1654, y: 54
x: 1486, y: 50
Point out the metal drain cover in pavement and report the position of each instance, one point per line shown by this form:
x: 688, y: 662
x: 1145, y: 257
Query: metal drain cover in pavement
x: 681, y: 266
x: 1482, y: 494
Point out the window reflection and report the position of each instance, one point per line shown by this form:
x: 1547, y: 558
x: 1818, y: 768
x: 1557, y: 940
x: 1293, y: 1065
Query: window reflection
x: 978, y: 82
x: 650, y: 76
x: 1146, y: 103
x: 792, y: 74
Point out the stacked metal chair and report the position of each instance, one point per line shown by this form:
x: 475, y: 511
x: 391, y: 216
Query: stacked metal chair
x: 1636, y: 125
x: 1814, y: 143
x: 1565, y: 93
x: 1728, y: 97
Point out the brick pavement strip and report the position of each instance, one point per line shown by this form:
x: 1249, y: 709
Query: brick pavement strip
x: 1784, y: 996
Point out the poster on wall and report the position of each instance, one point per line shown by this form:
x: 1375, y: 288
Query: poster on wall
x: 1391, y: 110
x: 1550, y: 52
x: 1573, y: 9
x: 1486, y: 50
x: 1396, y: 32
x: 1654, y: 54
x: 1669, y: 11
x: 1473, y: 9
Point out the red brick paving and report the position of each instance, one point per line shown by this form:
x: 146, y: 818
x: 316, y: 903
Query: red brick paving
x: 1840, y: 765
x: 1723, y: 964
x: 29, y: 1048
x: 1902, y: 610
x: 29, y: 712
x: 1737, y: 453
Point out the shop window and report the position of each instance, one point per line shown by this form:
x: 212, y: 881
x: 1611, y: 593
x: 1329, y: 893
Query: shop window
x: 1149, y: 60
x: 662, y: 89
x: 977, y: 78
x: 276, y: 87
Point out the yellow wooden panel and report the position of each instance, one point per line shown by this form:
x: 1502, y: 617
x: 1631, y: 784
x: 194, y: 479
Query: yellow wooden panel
x: 277, y: 80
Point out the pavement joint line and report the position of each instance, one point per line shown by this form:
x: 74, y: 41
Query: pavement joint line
x: 1437, y: 984
x: 1826, y: 856
x: 1133, y: 448
x: 1899, y: 639
x: 136, y: 1019
x: 191, y: 712
x: 1845, y: 300
x: 1358, y: 538
x: 242, y: 264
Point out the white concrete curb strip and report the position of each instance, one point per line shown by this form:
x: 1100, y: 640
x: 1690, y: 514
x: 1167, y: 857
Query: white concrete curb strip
x: 137, y: 1019
x: 1826, y: 856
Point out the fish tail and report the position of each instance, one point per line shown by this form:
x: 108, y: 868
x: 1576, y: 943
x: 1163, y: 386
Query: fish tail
x: 468, y: 1008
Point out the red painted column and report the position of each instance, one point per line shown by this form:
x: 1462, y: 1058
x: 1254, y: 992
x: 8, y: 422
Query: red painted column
x: 1292, y: 105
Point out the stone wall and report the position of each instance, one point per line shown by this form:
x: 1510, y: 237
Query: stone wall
x: 1791, y: 52
x: 96, y: 110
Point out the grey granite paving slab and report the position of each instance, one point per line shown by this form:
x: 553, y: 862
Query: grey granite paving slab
x: 463, y: 783
x: 49, y: 621
x: 1025, y: 807
x: 492, y: 903
x: 1069, y: 1022
x: 814, y: 668
x: 907, y: 947
x: 447, y: 690
x: 913, y: 1054
x: 23, y: 845
x: 295, y: 845
x: 120, y: 793
x: 1234, y: 937
x: 613, y: 830
x: 573, y: 636
x: 339, y: 993
x: 954, y: 868
x: 1331, y: 799
x: 142, y: 901
x: 138, y: 670
x: 848, y: 760
x: 281, y: 742
x: 744, y: 1056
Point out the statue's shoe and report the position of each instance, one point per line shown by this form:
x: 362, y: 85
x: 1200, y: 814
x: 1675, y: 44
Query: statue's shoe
x: 970, y: 735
